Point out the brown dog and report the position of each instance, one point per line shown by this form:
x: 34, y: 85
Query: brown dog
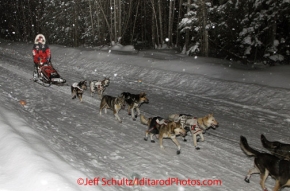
x: 197, y: 126
x: 157, y: 125
x: 113, y: 103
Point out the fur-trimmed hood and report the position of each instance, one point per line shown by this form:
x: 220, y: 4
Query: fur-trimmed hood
x: 37, y: 37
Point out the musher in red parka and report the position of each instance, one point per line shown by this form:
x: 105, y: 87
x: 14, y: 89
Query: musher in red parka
x: 41, y: 53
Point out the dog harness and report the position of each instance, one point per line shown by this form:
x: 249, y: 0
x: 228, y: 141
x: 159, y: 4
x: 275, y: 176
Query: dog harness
x: 196, y: 128
x: 76, y: 85
x: 98, y: 85
x: 195, y: 125
x: 159, y: 122
x: 162, y: 121
x: 198, y: 125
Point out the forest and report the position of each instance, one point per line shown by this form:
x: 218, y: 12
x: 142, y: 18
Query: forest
x: 249, y: 31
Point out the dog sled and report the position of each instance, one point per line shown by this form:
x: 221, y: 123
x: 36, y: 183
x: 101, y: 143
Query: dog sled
x: 47, y: 75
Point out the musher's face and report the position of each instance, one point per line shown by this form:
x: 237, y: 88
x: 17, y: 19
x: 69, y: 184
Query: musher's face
x: 40, y: 39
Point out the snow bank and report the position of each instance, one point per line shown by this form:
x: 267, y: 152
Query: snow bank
x: 27, y: 164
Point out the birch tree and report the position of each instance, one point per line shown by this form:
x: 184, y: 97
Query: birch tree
x: 170, y: 21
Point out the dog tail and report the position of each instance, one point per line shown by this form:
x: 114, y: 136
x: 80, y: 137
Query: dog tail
x: 143, y: 120
x: 246, y: 148
x: 173, y: 117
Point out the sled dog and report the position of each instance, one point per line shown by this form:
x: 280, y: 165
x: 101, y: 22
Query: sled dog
x: 134, y: 101
x: 267, y: 164
x: 196, y: 126
x: 113, y: 103
x: 157, y: 125
x: 99, y: 86
x: 77, y: 89
x: 278, y: 149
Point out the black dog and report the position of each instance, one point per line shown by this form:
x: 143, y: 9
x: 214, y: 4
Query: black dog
x: 134, y: 101
x: 278, y: 149
x: 78, y: 88
x: 267, y: 164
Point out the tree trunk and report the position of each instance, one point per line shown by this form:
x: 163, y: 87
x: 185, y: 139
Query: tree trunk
x: 153, y: 28
x: 178, y: 20
x: 120, y: 19
x: 156, y: 31
x: 75, y: 26
x: 109, y: 26
x: 204, y: 31
x: 187, y: 30
x: 126, y: 21
x: 135, y: 19
x: 160, y: 23
x: 170, y: 24
x: 92, y: 21
x: 115, y: 22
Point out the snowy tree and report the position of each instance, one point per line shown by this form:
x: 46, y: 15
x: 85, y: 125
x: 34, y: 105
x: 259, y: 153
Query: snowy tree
x: 252, y: 30
x: 196, y: 21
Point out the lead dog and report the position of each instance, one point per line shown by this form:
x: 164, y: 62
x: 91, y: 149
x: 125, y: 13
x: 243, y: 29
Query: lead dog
x: 196, y: 126
x: 266, y: 164
x: 157, y: 125
x: 113, y: 103
x: 77, y: 89
x: 99, y: 86
x: 278, y: 149
x: 134, y: 101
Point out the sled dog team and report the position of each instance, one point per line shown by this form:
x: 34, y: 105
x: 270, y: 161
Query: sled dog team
x: 175, y: 125
x: 276, y: 164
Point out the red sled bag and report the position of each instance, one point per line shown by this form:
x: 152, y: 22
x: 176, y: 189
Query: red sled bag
x: 49, y: 75
x: 49, y: 72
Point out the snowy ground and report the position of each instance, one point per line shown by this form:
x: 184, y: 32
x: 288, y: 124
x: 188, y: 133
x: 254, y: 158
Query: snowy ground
x: 54, y: 143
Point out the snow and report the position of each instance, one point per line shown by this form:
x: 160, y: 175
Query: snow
x: 277, y: 57
x: 54, y: 143
x: 27, y: 160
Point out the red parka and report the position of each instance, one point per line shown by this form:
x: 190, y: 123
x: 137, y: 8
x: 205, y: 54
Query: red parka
x: 40, y: 51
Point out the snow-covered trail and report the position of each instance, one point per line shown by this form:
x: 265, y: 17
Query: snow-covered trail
x: 99, y: 146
